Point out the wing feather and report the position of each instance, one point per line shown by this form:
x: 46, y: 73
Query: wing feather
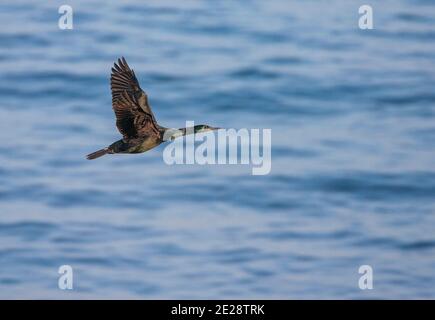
x: 124, y: 79
x: 134, y: 117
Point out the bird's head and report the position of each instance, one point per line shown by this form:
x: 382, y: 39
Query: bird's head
x: 203, y: 128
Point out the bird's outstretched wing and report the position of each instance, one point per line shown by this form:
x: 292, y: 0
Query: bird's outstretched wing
x: 134, y: 117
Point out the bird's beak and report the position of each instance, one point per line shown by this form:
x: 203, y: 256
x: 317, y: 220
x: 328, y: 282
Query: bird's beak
x: 215, y: 128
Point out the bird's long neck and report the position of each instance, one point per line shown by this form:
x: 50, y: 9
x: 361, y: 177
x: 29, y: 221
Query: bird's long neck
x: 187, y: 130
x: 173, y: 133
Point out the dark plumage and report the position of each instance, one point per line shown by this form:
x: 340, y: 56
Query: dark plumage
x: 134, y: 118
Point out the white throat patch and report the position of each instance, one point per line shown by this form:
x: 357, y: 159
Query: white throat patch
x: 171, y: 134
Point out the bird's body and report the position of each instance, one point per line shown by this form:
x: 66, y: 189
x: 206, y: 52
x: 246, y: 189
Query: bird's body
x: 137, y: 145
x: 134, y: 118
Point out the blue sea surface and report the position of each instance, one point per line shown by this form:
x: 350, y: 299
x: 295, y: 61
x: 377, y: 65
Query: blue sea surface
x: 352, y: 114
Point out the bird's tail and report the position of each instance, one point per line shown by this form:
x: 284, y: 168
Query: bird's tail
x: 97, y: 154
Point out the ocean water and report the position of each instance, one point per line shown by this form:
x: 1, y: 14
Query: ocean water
x: 352, y: 114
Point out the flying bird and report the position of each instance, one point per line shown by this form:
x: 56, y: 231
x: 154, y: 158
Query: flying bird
x: 134, y: 118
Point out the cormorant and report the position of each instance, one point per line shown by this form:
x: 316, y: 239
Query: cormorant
x: 134, y: 118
